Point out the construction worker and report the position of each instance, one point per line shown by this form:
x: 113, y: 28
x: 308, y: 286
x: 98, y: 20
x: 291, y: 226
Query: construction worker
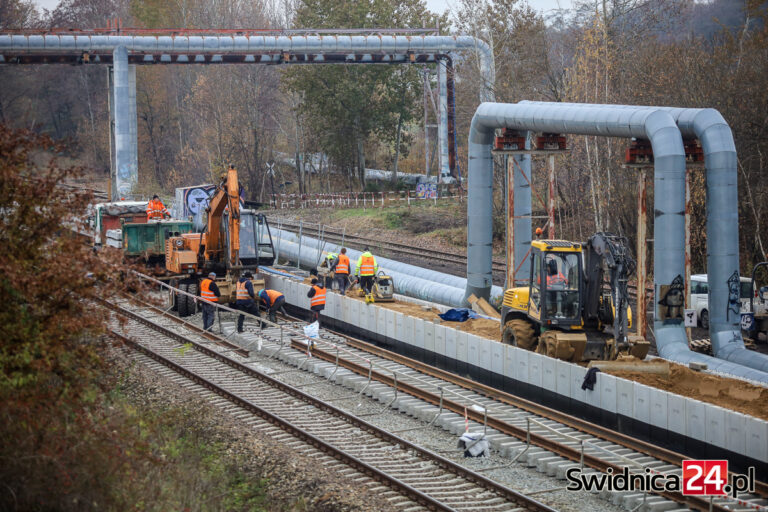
x: 210, y: 293
x: 156, y: 209
x: 341, y: 270
x: 316, y: 296
x: 539, y: 233
x: 330, y: 262
x: 366, y: 270
x: 245, y: 299
x: 273, y: 300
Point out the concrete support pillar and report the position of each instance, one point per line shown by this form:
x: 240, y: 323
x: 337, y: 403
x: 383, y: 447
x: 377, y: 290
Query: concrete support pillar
x: 442, y: 125
x: 125, y: 147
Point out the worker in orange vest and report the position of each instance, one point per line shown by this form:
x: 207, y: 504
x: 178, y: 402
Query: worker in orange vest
x: 366, y: 270
x: 156, y: 209
x: 316, y: 296
x: 341, y: 270
x: 273, y: 300
x: 245, y: 299
x: 210, y: 294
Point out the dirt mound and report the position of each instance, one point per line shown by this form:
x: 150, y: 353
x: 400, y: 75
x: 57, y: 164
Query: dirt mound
x: 732, y: 394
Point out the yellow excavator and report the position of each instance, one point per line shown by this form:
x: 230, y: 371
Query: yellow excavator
x: 568, y: 310
x: 218, y: 248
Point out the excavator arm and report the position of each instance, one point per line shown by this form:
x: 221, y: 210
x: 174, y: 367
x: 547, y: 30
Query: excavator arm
x: 611, y: 252
x: 227, y: 195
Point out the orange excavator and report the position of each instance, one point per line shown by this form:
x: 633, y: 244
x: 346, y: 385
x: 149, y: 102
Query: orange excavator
x: 192, y: 256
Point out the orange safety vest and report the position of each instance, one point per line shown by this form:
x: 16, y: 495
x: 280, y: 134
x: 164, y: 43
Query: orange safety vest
x: 367, y: 266
x: 318, y: 299
x: 155, y: 209
x: 273, y: 296
x: 205, y: 291
x: 342, y: 267
x: 242, y: 291
x: 556, y: 279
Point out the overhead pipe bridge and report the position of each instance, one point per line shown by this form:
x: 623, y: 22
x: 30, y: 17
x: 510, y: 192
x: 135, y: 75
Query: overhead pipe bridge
x: 122, y: 50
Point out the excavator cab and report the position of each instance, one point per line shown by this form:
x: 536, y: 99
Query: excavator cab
x: 555, y: 284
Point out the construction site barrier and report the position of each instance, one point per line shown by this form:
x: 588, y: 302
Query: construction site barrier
x: 360, y: 200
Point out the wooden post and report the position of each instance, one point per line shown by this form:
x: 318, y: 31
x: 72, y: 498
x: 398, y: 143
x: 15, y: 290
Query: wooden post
x: 551, y: 205
x: 642, y: 219
x: 510, y: 279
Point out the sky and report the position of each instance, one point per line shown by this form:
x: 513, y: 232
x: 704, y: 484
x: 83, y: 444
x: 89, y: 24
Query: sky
x: 438, y: 6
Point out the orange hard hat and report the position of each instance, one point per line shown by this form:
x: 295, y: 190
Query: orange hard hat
x: 539, y: 231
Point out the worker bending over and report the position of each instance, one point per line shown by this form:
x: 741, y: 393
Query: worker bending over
x: 366, y: 270
x: 156, y: 209
x: 330, y: 262
x: 245, y: 299
x: 316, y: 296
x: 272, y: 300
x: 341, y: 270
x: 210, y: 293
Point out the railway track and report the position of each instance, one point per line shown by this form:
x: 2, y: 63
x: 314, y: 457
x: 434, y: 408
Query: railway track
x: 542, y: 437
x: 316, y: 428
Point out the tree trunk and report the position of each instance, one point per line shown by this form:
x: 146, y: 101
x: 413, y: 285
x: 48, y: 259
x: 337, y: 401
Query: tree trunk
x: 361, y: 160
x: 397, y: 149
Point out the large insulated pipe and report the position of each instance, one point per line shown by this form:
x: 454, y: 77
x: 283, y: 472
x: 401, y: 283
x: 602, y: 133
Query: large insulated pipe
x: 187, y: 48
x: 126, y: 163
x: 405, y: 284
x: 720, y: 160
x: 432, y: 276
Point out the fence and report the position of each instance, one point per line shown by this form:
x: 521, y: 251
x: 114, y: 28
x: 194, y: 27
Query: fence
x: 363, y: 199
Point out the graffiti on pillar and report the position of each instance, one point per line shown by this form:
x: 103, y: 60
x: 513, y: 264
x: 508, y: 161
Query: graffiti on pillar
x: 125, y: 180
x: 672, y: 301
x: 734, y: 293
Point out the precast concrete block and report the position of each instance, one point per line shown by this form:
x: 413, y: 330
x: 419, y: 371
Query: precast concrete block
x: 497, y: 358
x: 429, y: 336
x: 625, y: 397
x: 347, y: 311
x: 543, y: 463
x: 450, y: 343
x: 756, y: 432
x: 484, y: 354
x: 367, y: 318
x: 399, y: 327
x: 592, y: 397
x: 659, y: 408
x: 608, y: 398
x: 510, y: 361
x: 381, y: 319
x: 339, y: 307
x: 553, y: 467
x: 473, y: 350
x: 658, y: 504
x: 632, y: 500
x: 736, y: 432
x: 696, y: 419
x: 577, y: 379
x: 642, y: 403
x: 424, y: 412
x: 446, y: 419
x: 676, y: 413
x: 440, y: 332
x: 330, y: 309
x: 535, y: 369
x: 462, y: 346
x: 562, y: 468
x: 521, y: 371
x: 418, y: 333
x: 716, y: 425
x: 391, y: 325
x: 549, y: 373
x: 408, y: 332
x: 532, y: 457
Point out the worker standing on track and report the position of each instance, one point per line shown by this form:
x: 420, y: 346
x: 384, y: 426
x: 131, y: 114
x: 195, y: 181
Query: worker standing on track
x: 273, y: 300
x: 341, y: 270
x: 316, y: 296
x: 245, y: 299
x: 156, y: 209
x: 366, y: 270
x: 209, y: 292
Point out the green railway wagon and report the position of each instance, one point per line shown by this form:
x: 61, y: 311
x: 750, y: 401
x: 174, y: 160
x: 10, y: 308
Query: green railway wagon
x: 148, y: 240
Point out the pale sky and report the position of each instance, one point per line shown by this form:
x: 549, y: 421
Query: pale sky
x: 438, y: 6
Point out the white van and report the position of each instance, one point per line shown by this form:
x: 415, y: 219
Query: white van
x: 700, y: 297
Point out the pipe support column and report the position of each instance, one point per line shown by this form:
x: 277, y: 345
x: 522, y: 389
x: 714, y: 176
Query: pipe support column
x: 124, y: 94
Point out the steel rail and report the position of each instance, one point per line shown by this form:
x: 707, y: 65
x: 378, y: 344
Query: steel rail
x: 295, y: 431
x: 562, y: 450
x: 444, y: 463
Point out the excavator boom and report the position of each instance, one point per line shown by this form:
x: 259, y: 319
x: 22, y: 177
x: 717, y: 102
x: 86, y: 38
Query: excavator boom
x: 227, y: 195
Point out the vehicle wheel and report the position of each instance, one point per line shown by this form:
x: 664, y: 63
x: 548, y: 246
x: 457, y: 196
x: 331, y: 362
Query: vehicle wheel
x: 519, y: 333
x: 192, y: 305
x: 704, y: 320
x: 184, y: 301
